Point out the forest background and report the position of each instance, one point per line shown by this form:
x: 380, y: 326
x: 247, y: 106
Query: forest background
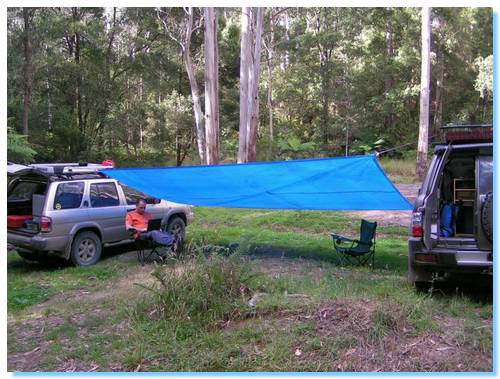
x: 88, y: 84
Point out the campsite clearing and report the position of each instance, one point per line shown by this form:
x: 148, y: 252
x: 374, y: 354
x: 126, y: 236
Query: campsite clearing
x: 295, y: 309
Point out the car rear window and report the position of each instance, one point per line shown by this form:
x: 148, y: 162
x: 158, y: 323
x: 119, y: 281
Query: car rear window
x: 69, y: 195
x: 23, y: 191
x: 103, y: 195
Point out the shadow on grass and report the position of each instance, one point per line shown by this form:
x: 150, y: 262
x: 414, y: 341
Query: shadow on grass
x: 52, y: 262
x: 478, y: 288
x: 383, y: 260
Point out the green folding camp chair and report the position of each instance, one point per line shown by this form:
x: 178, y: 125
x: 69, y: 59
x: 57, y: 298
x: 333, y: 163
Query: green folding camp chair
x: 357, y: 251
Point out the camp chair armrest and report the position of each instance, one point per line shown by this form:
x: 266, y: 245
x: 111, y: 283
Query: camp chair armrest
x: 339, y: 239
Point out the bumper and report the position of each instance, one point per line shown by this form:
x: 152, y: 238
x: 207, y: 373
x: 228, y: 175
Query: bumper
x: 37, y: 242
x: 450, y: 260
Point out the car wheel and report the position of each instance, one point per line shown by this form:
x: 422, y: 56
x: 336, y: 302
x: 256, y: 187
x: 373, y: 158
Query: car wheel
x: 487, y: 216
x: 177, y: 228
x: 86, y: 249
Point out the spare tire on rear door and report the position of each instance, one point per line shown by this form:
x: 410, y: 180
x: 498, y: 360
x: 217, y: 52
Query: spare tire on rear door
x: 487, y: 216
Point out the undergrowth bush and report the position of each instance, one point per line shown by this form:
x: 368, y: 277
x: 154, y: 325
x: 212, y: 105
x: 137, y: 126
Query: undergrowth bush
x: 203, y: 288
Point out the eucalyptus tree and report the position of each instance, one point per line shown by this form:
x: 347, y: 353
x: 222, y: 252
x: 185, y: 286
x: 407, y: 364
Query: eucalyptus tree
x: 180, y: 25
x: 424, y: 95
x: 251, y: 41
x: 211, y: 87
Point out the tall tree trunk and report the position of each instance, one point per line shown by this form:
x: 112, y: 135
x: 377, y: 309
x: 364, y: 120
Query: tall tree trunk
x: 270, y: 56
x: 324, y: 57
x: 423, y: 135
x: 438, y: 107
x: 245, y: 57
x: 251, y: 36
x: 253, y: 115
x: 27, y: 67
x: 78, y: 95
x: 388, y: 80
x: 195, y: 92
x: 211, y: 87
x: 285, y: 57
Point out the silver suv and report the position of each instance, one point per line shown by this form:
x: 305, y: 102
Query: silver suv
x: 452, y: 221
x: 73, y: 211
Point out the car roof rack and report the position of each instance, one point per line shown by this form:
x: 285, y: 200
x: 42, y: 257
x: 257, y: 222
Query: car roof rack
x: 468, y: 133
x: 69, y: 168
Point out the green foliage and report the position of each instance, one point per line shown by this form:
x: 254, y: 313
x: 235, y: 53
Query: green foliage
x: 202, y: 289
x: 484, y: 80
x: 112, y: 84
x: 18, y: 148
x: 293, y: 148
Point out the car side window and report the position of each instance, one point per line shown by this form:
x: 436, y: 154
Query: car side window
x: 69, y: 195
x: 132, y: 195
x: 103, y: 195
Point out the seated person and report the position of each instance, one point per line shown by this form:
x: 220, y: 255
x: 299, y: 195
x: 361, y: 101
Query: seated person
x: 137, y: 220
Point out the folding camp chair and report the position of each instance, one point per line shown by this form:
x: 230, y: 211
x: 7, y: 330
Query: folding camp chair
x: 357, y: 251
x: 148, y: 249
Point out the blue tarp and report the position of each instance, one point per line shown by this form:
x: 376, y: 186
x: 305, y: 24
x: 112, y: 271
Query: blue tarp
x: 342, y: 183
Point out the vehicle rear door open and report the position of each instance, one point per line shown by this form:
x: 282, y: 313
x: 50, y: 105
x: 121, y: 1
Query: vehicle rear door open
x: 432, y: 200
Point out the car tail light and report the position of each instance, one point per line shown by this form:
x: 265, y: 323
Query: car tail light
x: 417, y: 231
x: 45, y: 224
x: 425, y: 258
x: 416, y: 224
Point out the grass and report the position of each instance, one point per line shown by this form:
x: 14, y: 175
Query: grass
x: 30, y: 284
x: 214, y: 309
x: 399, y: 170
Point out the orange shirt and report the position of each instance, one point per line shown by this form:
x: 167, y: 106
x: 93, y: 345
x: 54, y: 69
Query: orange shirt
x: 137, y: 220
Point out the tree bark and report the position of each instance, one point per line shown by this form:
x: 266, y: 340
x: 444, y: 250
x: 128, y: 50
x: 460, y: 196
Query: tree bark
x: 438, y: 107
x: 211, y: 87
x: 423, y: 135
x: 27, y: 67
x: 251, y: 39
x: 285, y: 57
x: 245, y: 52
x: 270, y: 55
x: 388, y: 80
x: 253, y: 116
x: 195, y: 92
x: 76, y: 52
x: 324, y: 58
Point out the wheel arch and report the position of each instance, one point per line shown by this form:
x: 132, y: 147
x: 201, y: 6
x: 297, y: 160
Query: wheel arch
x: 79, y: 229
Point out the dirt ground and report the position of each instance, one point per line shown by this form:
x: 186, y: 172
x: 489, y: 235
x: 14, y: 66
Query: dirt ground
x: 397, y: 218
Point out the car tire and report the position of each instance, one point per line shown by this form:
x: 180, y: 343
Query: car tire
x: 487, y: 216
x: 177, y: 228
x: 86, y: 249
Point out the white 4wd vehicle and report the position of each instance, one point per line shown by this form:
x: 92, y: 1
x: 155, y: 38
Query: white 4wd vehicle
x: 73, y: 211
